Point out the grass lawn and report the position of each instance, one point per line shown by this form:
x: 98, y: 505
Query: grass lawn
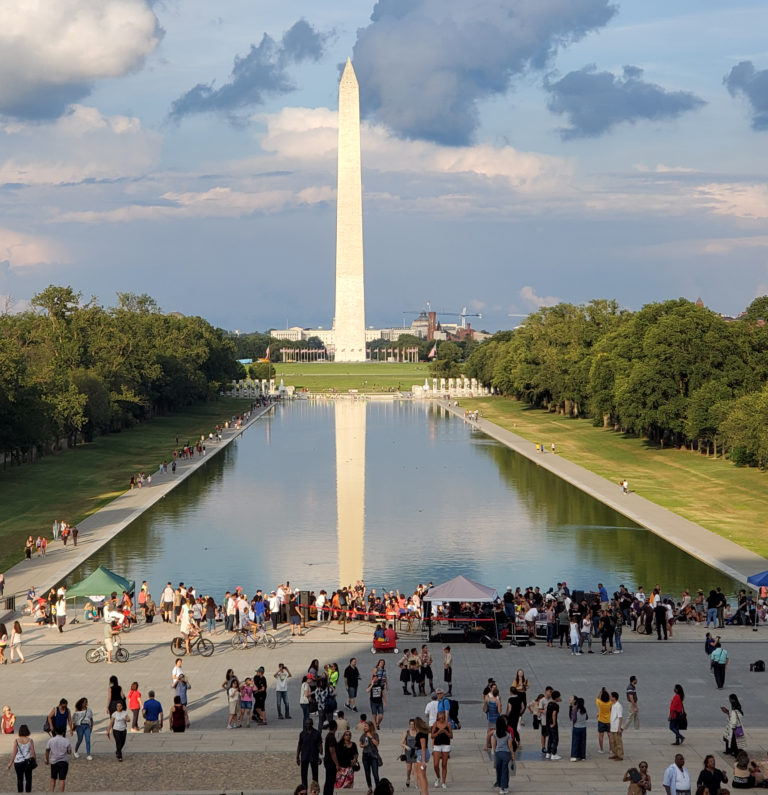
x: 729, y: 500
x: 365, y: 377
x: 75, y: 483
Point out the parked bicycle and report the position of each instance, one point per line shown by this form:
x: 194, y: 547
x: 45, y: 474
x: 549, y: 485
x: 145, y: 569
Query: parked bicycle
x: 197, y: 645
x: 100, y: 653
x: 244, y: 638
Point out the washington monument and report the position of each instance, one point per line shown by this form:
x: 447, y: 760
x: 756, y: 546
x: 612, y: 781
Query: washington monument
x: 349, y: 318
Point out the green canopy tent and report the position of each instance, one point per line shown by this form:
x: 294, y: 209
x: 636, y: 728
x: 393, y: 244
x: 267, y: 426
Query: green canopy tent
x: 101, y: 582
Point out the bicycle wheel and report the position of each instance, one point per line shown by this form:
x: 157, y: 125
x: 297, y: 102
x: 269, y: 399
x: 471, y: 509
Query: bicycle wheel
x: 126, y: 626
x: 177, y: 647
x: 240, y: 641
x: 205, y: 647
x: 93, y: 655
x: 269, y: 641
x: 122, y: 655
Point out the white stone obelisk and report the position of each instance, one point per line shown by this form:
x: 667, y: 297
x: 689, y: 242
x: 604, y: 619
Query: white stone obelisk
x: 349, y: 318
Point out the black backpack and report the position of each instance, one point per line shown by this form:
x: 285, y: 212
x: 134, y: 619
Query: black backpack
x: 758, y: 666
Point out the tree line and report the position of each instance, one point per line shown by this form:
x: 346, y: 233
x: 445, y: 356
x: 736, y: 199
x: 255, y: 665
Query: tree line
x: 673, y: 372
x: 70, y: 370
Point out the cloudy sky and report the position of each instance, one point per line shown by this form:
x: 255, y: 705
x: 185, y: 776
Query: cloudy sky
x: 515, y: 153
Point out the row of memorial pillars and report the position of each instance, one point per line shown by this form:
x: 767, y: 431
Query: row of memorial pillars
x: 462, y: 384
x: 403, y: 355
x: 303, y: 355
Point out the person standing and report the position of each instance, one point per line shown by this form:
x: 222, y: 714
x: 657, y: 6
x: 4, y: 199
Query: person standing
x: 448, y: 669
x: 603, y: 703
x: 503, y: 754
x: 330, y: 759
x: 351, y: 682
x: 634, y: 709
x: 22, y: 752
x: 577, y: 712
x: 179, y: 717
x: 375, y: 692
x: 553, y: 730
x: 308, y: 751
x: 369, y: 743
x: 733, y: 735
x: 274, y: 609
x: 83, y: 723
x: 134, y: 705
x: 615, y: 737
x: 166, y: 600
x: 118, y: 727
x: 719, y: 661
x: 282, y: 675
x: 677, y: 779
x: 260, y: 696
x: 442, y: 735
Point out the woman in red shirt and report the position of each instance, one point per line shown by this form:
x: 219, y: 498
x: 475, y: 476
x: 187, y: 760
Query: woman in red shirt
x: 677, y: 717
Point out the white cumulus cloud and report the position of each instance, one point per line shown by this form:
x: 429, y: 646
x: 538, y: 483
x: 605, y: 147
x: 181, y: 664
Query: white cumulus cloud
x: 528, y: 294
x: 82, y: 144
x: 51, y: 51
x: 21, y: 250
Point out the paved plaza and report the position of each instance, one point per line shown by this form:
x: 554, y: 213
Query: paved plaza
x: 210, y: 758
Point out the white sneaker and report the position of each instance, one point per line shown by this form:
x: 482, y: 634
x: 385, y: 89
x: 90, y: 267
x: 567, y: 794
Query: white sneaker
x: 75, y: 754
x: 437, y: 782
x: 546, y: 756
x: 89, y: 758
x: 573, y: 759
x: 555, y: 756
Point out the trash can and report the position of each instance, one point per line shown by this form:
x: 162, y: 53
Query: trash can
x: 10, y: 603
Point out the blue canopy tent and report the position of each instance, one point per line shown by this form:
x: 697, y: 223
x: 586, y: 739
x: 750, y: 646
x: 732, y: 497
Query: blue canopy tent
x: 758, y: 579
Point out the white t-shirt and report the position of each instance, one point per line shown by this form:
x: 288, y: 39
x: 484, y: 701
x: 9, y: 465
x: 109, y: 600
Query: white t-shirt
x: 281, y: 678
x: 177, y: 671
x: 59, y: 748
x: 617, y: 713
x: 120, y: 720
x: 431, y: 711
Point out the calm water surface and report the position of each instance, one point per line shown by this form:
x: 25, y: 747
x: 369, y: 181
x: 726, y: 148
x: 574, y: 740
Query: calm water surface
x: 397, y: 493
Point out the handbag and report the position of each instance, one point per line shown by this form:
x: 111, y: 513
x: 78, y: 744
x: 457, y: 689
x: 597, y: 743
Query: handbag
x: 738, y: 732
x: 682, y: 720
x: 31, y: 763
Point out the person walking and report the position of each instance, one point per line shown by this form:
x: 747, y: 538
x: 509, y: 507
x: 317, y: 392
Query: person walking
x: 308, y: 751
x: 82, y: 720
x: 719, y: 661
x: 503, y: 754
x: 492, y: 709
x: 118, y: 728
x: 577, y: 712
x: 422, y: 755
x: 134, y: 705
x: 330, y: 759
x: 16, y: 642
x: 448, y: 669
x: 114, y: 695
x: 677, y: 714
x: 351, y: 682
x: 634, y: 710
x: 369, y: 743
x: 677, y: 778
x: 734, y: 735
x: 282, y: 675
x: 152, y: 713
x: 408, y: 744
x: 442, y: 735
x: 615, y: 737
x: 179, y: 717
x: 57, y: 752
x: 22, y: 756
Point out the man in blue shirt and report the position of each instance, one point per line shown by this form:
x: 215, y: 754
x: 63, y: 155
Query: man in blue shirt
x: 603, y: 591
x: 153, y: 714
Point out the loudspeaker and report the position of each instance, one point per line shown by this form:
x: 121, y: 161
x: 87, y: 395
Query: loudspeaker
x: 577, y: 596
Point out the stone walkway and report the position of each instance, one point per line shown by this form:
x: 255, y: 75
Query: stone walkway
x: 101, y: 527
x: 696, y: 540
x: 210, y: 758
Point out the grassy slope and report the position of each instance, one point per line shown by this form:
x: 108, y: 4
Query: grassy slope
x: 75, y: 483
x: 368, y: 377
x: 729, y: 500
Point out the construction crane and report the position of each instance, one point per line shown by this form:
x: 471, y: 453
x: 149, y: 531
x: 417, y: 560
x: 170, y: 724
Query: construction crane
x: 463, y: 314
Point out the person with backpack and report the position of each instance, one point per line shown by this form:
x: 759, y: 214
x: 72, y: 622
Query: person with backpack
x: 375, y: 692
x: 59, y: 717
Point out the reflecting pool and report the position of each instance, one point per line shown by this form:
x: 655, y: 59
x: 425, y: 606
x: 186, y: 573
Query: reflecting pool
x: 396, y: 493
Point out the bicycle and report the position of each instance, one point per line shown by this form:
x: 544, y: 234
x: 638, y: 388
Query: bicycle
x: 197, y: 645
x: 100, y: 654
x: 244, y: 638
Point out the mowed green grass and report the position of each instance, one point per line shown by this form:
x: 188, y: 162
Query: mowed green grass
x: 366, y: 377
x: 73, y: 484
x: 729, y: 500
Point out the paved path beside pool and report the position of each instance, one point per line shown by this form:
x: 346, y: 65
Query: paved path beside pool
x: 713, y: 549
x: 101, y: 527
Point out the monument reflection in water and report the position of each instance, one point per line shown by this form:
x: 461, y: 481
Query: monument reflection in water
x: 396, y: 491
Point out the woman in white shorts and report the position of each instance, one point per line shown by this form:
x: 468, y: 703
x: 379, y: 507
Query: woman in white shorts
x: 442, y: 734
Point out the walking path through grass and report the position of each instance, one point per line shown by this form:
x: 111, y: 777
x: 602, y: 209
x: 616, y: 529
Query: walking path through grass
x: 100, y: 527
x: 75, y: 483
x: 655, y: 478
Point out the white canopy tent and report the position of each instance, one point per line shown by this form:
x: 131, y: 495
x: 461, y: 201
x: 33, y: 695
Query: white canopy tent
x: 460, y: 589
